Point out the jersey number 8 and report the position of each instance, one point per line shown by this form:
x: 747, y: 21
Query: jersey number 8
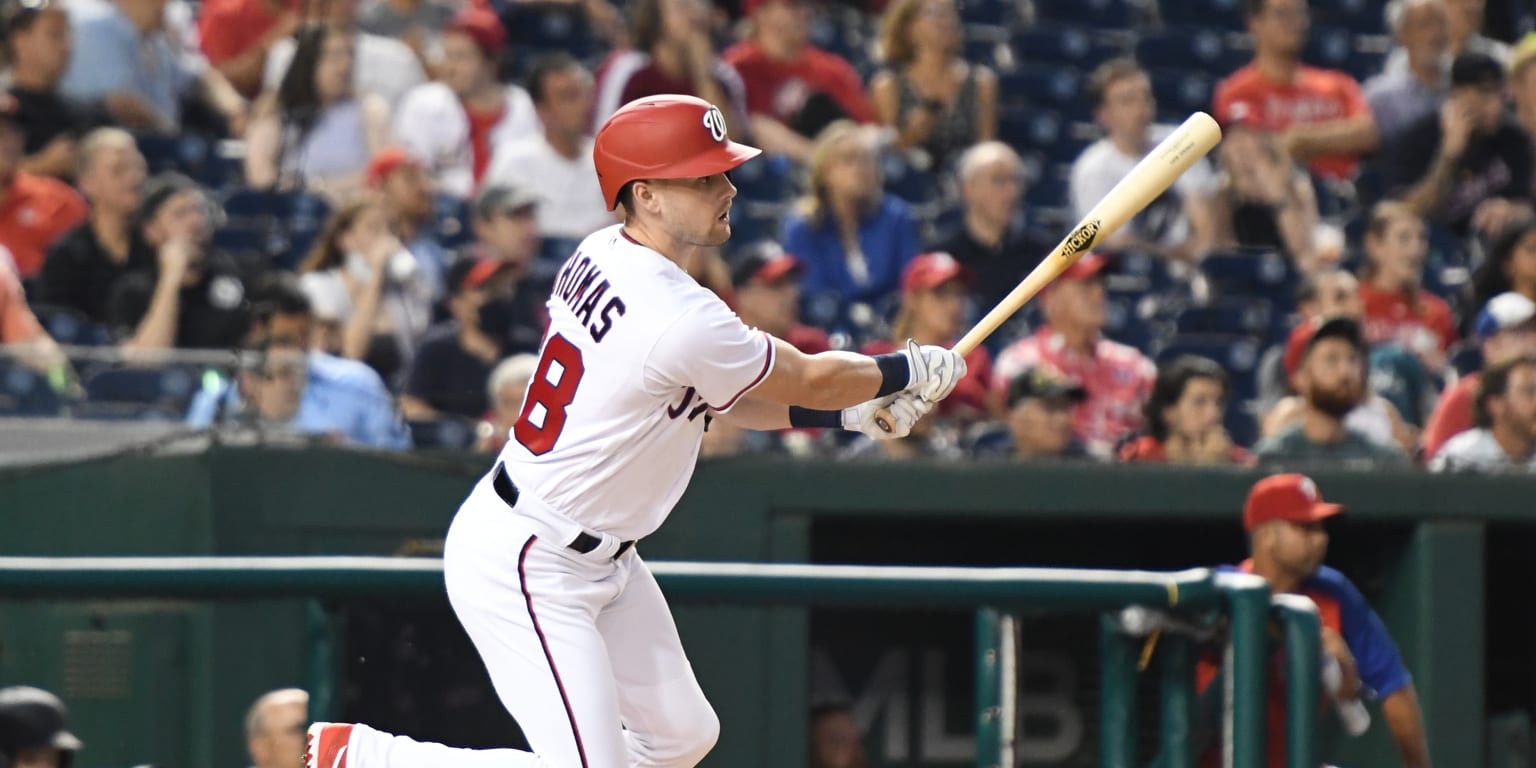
x: 553, y: 397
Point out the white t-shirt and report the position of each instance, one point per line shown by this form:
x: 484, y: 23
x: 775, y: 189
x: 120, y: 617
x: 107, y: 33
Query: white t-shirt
x: 636, y: 356
x: 570, y: 197
x: 1476, y: 450
x: 384, y: 66
x: 431, y: 124
x: 1102, y: 165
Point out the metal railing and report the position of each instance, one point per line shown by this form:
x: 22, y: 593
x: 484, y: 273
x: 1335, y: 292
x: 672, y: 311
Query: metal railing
x: 995, y: 593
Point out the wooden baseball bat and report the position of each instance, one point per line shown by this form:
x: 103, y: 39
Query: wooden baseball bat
x: 1150, y: 178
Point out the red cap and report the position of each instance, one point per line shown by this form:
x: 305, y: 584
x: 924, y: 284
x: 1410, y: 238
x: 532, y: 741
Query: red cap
x: 930, y: 270
x: 386, y: 162
x: 1090, y: 265
x: 669, y: 136
x: 1292, y: 498
x: 481, y: 26
x: 1309, y: 332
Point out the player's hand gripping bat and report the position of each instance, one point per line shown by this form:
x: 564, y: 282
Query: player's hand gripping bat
x: 1150, y: 178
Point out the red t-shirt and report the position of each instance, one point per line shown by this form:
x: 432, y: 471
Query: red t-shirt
x: 36, y: 210
x: 228, y: 28
x: 480, y: 126
x: 1314, y: 96
x: 1118, y: 379
x: 1390, y: 317
x: 1453, y: 414
x: 1152, y: 451
x: 969, y: 399
x: 779, y: 88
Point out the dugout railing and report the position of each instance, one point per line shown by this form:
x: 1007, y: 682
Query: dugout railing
x: 998, y: 595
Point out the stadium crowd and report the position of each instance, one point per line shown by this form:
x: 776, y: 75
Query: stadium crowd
x: 341, y: 217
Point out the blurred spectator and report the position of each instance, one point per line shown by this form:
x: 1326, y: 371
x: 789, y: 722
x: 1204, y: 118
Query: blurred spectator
x: 454, y: 126
x: 1522, y: 84
x: 235, y: 36
x: 34, y: 729
x: 1117, y: 378
x: 672, y: 53
x: 406, y: 194
x: 315, y: 132
x: 382, y: 65
x: 1330, y: 377
x: 34, y: 210
x: 1400, y: 96
x: 360, y: 277
x: 834, y: 740
x: 1265, y: 201
x: 23, y: 337
x: 448, y: 374
x: 853, y: 237
x: 37, y: 43
x: 193, y: 297
x: 794, y: 89
x: 505, y: 389
x: 417, y: 23
x: 1505, y: 415
x: 1507, y: 328
x: 1469, y: 166
x: 557, y: 166
x: 274, y: 729
x: 1465, y: 33
x: 934, y: 99
x: 125, y: 59
x: 933, y: 293
x: 1397, y: 308
x: 992, y: 241
x: 1284, y: 517
x: 1510, y: 264
x: 284, y: 388
x: 1183, y: 421
x: 1403, y: 392
x: 1319, y: 116
x: 83, y: 266
x: 1038, y: 416
x: 1181, y: 222
x: 766, y: 281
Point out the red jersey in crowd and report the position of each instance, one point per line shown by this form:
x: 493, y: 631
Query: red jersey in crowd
x: 1150, y: 450
x: 1453, y: 414
x: 970, y: 395
x: 780, y: 88
x: 35, y: 211
x: 1118, y: 379
x: 1314, y: 96
x: 1424, y: 323
x: 228, y: 28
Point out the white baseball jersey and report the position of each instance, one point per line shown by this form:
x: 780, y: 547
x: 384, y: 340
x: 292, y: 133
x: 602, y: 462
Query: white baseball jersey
x: 636, y: 355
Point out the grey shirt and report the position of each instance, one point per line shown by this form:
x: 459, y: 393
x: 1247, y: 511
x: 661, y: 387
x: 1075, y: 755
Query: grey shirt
x: 1398, y: 99
x: 1293, y: 445
x: 1476, y: 450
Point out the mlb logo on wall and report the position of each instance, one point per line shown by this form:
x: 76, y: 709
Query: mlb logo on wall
x: 715, y: 122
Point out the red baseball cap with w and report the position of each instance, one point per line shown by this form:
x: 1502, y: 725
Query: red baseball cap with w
x: 1292, y: 498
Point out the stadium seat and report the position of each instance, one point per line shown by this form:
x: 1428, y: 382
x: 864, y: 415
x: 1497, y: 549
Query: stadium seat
x: 25, y: 392
x: 536, y: 28
x: 1096, y: 14
x: 1232, y: 315
x: 769, y: 179
x: 1048, y: 85
x: 454, y: 222
x: 1225, y: 14
x: 915, y: 186
x: 70, y: 326
x: 1250, y: 272
x: 450, y: 434
x: 558, y: 249
x: 189, y: 154
x: 1466, y: 357
x: 1058, y: 44
x: 1003, y: 13
x: 1185, y: 47
x: 1237, y: 353
x: 170, y: 386
x: 1181, y: 91
x: 1328, y: 48
x: 1123, y: 323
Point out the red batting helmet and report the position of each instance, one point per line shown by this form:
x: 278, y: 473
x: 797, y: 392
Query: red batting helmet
x: 664, y: 137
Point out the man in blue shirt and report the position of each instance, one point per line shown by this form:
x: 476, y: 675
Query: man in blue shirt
x: 283, y: 386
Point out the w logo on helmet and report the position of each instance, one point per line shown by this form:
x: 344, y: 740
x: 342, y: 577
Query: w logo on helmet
x: 715, y: 122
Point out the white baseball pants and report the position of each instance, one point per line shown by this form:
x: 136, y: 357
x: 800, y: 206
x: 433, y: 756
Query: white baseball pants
x: 581, y: 650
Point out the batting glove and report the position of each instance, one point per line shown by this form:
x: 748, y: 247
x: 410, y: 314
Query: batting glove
x: 901, y: 412
x: 935, y: 370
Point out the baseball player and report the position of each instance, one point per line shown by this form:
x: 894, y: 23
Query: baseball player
x: 540, y: 561
x: 34, y: 730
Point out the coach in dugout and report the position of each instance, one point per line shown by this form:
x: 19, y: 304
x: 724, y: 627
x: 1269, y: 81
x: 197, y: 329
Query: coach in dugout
x: 1284, y: 518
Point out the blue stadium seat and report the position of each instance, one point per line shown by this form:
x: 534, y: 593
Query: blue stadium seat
x: 768, y: 179
x: 444, y: 434
x: 1181, y: 91
x: 1188, y: 47
x: 1057, y: 44
x: 190, y: 154
x: 70, y: 326
x: 1249, y: 316
x: 1225, y: 14
x: 1466, y: 357
x: 557, y: 249
x: 1004, y: 13
x: 1238, y: 353
x: 1250, y: 272
x: 1097, y: 14
x: 1058, y: 85
x: 908, y: 183
x: 757, y: 221
x: 25, y: 392
x: 538, y: 28
x: 455, y: 221
x: 1358, y: 16
x: 170, y: 386
x: 1328, y: 47
x: 1123, y: 323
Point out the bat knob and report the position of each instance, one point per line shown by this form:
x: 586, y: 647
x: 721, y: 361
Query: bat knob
x: 883, y: 423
